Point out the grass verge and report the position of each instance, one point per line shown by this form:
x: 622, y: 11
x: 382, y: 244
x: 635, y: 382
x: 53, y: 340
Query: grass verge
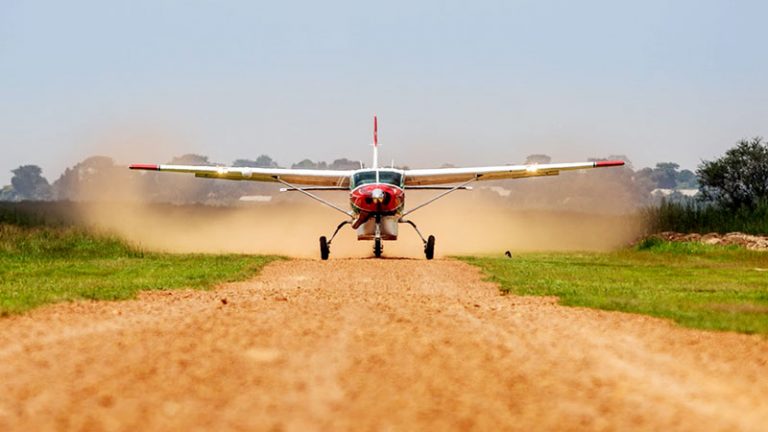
x: 47, y: 265
x: 700, y: 286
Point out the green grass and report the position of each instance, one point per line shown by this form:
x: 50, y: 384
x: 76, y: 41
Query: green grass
x: 696, y: 285
x: 46, y: 265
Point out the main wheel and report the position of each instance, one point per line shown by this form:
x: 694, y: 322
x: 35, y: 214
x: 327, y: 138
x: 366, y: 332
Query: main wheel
x: 325, y: 250
x: 429, y: 248
x: 377, y: 247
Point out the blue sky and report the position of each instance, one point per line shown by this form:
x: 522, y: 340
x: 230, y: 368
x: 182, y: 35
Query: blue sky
x: 468, y: 83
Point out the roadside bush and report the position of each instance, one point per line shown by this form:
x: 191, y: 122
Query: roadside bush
x: 699, y: 217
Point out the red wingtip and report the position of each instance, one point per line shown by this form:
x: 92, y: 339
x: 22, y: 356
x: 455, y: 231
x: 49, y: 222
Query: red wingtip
x: 150, y: 167
x: 375, y: 131
x: 609, y: 163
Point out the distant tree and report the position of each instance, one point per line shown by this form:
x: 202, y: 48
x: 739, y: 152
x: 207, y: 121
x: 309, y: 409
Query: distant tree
x: 643, y: 179
x: 29, y: 184
x: 95, y: 178
x: 308, y: 164
x: 739, y: 178
x: 344, y: 164
x: 304, y: 164
x: 537, y: 159
x: 190, y: 159
x: 8, y: 194
x: 687, y: 179
x: 665, y: 175
x: 263, y: 161
x: 244, y: 163
x: 65, y: 187
x: 644, y: 172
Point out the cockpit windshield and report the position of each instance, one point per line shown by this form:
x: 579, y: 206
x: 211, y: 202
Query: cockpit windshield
x: 385, y: 176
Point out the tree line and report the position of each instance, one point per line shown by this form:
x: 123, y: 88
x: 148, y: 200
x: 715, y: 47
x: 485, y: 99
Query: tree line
x: 100, y: 178
x: 738, y: 179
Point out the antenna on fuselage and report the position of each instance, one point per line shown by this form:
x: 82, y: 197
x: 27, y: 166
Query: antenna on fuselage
x: 375, y: 142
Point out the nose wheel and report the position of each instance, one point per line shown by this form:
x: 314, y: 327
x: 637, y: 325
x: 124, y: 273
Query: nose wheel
x: 378, y: 248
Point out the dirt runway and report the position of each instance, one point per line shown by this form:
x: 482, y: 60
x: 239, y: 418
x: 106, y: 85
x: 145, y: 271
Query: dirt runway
x: 370, y: 345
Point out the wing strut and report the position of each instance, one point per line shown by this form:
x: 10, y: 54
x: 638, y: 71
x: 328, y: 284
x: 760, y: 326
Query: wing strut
x: 430, y: 201
x: 314, y: 197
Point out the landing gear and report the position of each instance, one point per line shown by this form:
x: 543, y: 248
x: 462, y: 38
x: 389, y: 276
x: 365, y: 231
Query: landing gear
x: 325, y: 250
x: 325, y: 244
x: 429, y: 243
x: 378, y: 239
x: 429, y: 247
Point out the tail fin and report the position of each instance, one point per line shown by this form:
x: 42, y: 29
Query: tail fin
x: 375, y: 142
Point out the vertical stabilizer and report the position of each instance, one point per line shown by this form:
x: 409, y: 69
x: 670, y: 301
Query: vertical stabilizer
x: 375, y: 142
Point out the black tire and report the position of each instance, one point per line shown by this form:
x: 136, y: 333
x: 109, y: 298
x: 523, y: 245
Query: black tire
x: 325, y: 250
x: 378, y: 248
x: 429, y: 248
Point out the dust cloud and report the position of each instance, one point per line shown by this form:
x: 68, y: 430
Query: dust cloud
x: 462, y: 224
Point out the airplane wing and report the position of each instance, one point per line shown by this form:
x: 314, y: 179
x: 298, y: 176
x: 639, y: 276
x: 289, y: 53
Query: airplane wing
x: 425, y: 177
x: 338, y: 178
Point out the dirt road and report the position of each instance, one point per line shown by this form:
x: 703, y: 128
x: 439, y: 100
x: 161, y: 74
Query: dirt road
x: 370, y: 345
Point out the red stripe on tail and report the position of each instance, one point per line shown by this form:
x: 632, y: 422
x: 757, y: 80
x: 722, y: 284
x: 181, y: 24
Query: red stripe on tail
x: 375, y: 132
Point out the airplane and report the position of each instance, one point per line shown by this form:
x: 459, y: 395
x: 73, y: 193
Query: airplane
x: 377, y: 194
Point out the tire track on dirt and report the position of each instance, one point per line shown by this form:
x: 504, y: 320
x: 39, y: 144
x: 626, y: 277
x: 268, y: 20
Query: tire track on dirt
x: 370, y: 345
